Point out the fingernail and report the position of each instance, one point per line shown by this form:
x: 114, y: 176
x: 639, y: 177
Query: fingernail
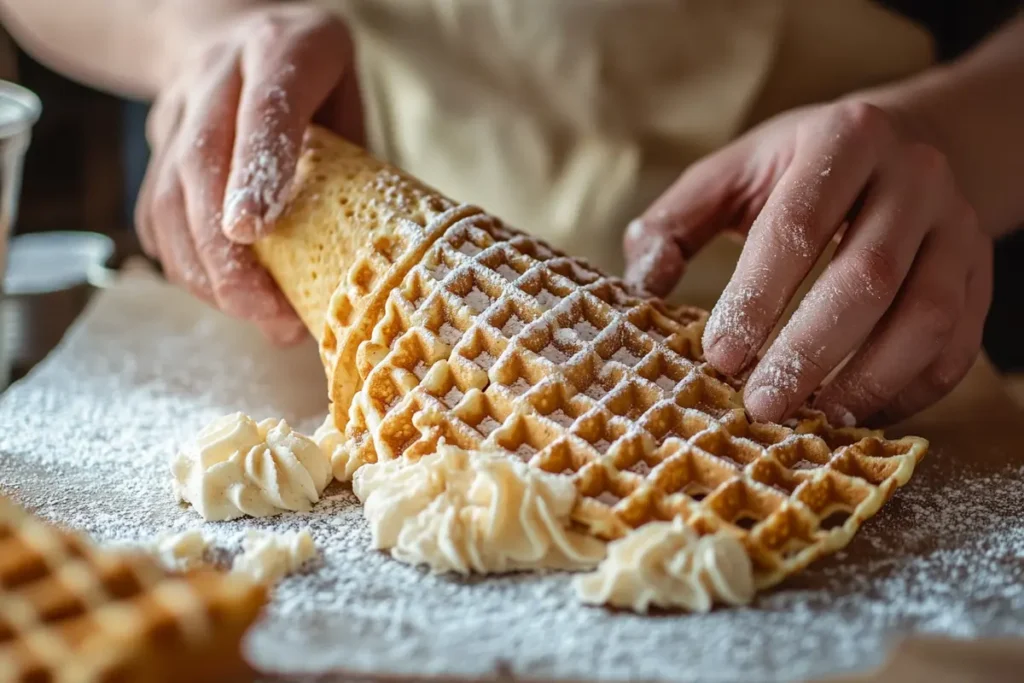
x: 242, y: 222
x: 766, y: 404
x: 727, y: 353
x: 638, y: 272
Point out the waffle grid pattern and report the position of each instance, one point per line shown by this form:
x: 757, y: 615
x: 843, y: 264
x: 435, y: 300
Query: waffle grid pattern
x: 71, y: 612
x: 494, y: 340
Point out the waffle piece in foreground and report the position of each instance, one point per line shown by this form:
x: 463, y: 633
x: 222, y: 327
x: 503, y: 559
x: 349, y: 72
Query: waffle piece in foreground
x: 71, y: 612
x: 490, y: 339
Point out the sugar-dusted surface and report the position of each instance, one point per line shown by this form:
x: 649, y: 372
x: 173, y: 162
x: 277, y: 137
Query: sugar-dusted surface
x: 85, y: 441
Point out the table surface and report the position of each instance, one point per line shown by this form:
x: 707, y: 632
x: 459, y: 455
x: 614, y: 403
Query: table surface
x: 85, y: 440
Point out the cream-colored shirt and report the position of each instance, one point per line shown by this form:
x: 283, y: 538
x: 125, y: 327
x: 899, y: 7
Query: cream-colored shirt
x: 567, y: 118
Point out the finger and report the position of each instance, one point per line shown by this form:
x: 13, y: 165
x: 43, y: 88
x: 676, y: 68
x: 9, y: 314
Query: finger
x: 831, y: 165
x: 287, y: 75
x: 911, y: 335
x: 857, y: 287
x: 682, y: 220
x: 343, y: 111
x: 241, y: 287
x: 162, y: 121
x: 177, y: 251
x: 143, y: 211
x: 956, y: 359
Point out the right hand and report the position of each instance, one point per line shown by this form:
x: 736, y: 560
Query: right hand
x: 225, y: 134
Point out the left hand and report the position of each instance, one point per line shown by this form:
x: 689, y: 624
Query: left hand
x: 904, y: 298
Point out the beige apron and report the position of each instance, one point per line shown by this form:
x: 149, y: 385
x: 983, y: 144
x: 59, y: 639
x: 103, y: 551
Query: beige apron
x: 568, y: 117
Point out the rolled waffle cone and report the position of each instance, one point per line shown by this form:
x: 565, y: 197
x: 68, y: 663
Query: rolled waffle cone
x: 489, y: 339
x: 353, y: 227
x: 70, y: 612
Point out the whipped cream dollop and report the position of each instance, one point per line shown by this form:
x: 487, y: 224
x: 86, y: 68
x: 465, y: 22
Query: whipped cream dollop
x: 332, y: 443
x: 268, y: 557
x: 471, y: 511
x: 665, y: 564
x: 236, y: 466
x: 181, y: 551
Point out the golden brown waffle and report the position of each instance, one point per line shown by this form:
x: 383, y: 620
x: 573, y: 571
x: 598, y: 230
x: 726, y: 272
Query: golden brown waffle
x: 352, y: 229
x: 494, y: 340
x: 447, y: 324
x: 70, y: 612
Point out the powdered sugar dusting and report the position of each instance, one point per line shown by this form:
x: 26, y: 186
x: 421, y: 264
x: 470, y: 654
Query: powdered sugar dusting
x: 666, y: 383
x: 259, y: 187
x: 626, y: 357
x: 548, y: 299
x: 484, y: 360
x: 525, y: 451
x: 449, y: 334
x: 520, y: 386
x: 440, y: 272
x: 586, y: 331
x: 477, y: 300
x: 564, y: 336
x: 560, y: 417
x: 507, y: 272
x: 641, y: 468
x: 513, y: 326
x: 85, y: 441
x: 487, y: 425
x: 554, y: 354
x: 731, y: 316
x: 452, y: 398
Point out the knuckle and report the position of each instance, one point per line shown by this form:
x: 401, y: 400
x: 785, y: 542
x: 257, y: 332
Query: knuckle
x: 862, y: 121
x: 790, y: 234
x: 212, y: 243
x: 795, y: 367
x: 929, y: 161
x: 268, y: 29
x: 946, y: 373
x: 966, y: 217
x: 940, y: 309
x: 867, y: 392
x: 872, y: 272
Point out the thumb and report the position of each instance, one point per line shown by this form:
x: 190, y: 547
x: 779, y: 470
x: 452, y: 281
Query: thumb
x: 699, y: 205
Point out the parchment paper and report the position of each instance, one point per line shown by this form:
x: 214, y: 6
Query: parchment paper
x: 86, y: 438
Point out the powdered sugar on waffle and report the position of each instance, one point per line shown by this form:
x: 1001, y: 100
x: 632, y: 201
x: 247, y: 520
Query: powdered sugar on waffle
x: 477, y: 300
x: 85, y: 442
x: 449, y: 334
x: 586, y: 331
x: 507, y: 272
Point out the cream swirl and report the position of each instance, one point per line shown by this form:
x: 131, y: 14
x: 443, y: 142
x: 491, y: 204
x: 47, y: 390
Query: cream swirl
x: 237, y: 467
x: 332, y: 443
x: 268, y: 557
x: 665, y: 564
x: 471, y: 511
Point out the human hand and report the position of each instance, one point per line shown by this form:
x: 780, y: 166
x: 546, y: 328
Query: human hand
x: 906, y: 292
x: 225, y: 135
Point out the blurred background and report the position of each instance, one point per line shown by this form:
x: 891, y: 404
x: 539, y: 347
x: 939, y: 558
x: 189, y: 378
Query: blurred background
x: 88, y: 156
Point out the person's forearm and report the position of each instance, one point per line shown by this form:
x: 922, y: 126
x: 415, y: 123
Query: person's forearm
x: 125, y: 46
x: 973, y: 110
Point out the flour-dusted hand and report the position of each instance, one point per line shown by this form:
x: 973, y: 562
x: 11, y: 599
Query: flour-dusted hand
x: 225, y: 133
x: 906, y: 292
